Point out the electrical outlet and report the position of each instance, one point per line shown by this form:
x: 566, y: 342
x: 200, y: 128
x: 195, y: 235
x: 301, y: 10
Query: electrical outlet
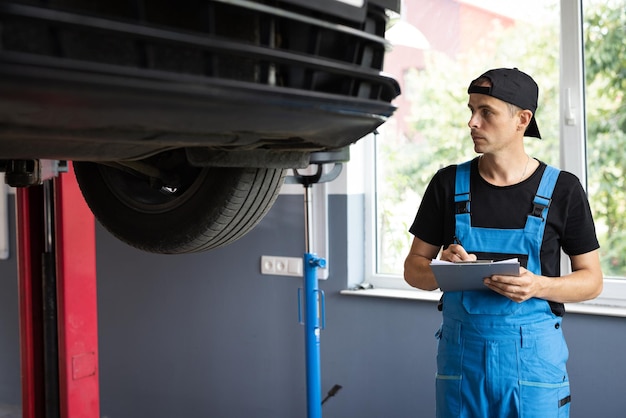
x: 281, y: 266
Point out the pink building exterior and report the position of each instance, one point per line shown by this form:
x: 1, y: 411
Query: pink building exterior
x: 450, y: 27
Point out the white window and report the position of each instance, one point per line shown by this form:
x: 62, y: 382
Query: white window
x: 583, y: 125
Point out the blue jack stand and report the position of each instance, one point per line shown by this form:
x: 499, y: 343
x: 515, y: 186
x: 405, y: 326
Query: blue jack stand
x: 313, y: 325
x: 314, y: 305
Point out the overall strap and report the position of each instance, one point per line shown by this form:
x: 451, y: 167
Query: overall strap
x: 462, y: 188
x: 536, y: 220
x: 543, y: 197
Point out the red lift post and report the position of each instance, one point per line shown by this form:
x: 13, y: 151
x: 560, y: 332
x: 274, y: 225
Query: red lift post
x: 58, y: 301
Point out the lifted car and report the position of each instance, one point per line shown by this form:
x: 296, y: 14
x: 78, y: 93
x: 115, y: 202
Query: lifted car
x: 182, y: 116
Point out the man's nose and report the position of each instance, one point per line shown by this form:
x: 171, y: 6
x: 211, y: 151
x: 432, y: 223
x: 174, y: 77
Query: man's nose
x: 473, y: 121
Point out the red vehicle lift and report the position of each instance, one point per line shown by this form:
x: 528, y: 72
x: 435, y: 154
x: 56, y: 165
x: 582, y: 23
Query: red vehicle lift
x: 57, y: 300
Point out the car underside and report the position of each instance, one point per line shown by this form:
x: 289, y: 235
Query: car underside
x: 181, y: 117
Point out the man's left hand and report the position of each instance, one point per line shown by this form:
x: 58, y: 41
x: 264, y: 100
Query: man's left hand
x: 517, y: 288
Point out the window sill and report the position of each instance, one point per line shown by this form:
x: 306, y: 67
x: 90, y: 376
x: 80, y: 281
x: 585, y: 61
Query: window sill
x: 586, y: 308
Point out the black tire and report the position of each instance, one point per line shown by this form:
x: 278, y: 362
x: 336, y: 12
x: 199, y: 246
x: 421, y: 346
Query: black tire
x: 212, y: 208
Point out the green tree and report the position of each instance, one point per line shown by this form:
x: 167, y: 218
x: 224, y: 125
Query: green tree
x: 605, y: 72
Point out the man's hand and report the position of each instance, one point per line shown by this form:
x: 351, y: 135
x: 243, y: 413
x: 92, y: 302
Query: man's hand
x: 517, y: 288
x: 584, y: 283
x: 455, y: 253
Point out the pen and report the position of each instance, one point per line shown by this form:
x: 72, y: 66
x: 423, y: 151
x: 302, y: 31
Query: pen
x: 457, y: 241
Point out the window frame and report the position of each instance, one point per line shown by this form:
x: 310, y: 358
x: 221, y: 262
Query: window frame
x: 572, y: 125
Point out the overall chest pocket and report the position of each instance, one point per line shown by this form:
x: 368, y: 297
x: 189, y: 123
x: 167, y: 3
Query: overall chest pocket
x: 487, y: 302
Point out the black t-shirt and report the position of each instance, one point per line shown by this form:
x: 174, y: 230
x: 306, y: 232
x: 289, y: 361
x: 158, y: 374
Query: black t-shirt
x: 569, y: 225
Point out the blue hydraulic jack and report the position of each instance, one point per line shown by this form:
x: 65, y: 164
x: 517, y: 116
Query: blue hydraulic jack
x: 314, y: 305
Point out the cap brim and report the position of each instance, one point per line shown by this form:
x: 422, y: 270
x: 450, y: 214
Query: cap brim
x: 532, y: 129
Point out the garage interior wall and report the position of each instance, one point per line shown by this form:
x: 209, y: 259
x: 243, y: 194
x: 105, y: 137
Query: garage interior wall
x: 207, y: 335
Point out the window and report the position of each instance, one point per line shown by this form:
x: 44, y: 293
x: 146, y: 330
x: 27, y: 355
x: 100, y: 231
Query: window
x: 463, y: 39
x: 605, y: 96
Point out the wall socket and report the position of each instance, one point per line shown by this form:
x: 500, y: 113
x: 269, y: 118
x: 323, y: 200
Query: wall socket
x: 281, y: 266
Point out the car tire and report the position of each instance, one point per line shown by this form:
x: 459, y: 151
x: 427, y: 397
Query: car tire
x: 213, y: 207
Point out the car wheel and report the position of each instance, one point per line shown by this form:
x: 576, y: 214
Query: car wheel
x: 208, y: 208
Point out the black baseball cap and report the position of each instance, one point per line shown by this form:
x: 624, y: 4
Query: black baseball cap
x: 512, y: 86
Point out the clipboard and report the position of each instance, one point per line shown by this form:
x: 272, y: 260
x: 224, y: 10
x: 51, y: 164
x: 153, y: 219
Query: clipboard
x: 454, y: 277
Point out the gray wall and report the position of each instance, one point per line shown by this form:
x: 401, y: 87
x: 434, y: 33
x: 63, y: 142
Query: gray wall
x: 207, y: 335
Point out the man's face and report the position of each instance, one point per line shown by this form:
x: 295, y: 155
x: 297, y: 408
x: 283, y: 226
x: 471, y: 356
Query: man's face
x: 492, y: 125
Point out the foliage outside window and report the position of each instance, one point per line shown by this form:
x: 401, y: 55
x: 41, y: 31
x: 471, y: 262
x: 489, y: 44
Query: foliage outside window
x: 438, y: 135
x: 605, y: 77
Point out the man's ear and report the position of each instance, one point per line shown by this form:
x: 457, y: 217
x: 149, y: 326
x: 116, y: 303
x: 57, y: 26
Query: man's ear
x: 524, y: 119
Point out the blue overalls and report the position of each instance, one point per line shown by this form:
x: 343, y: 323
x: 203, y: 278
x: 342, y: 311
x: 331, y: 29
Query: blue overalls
x: 498, y: 358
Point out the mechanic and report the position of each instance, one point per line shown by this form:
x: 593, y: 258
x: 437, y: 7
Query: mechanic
x: 501, y: 351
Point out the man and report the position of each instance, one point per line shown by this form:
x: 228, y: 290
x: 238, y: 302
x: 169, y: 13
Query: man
x: 501, y: 350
